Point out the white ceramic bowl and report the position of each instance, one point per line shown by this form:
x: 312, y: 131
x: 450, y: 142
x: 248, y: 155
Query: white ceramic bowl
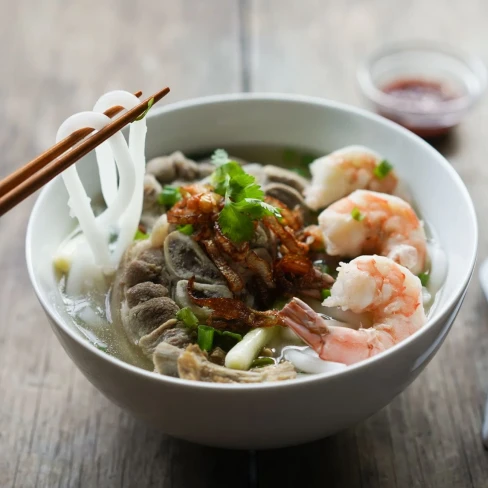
x: 284, y: 413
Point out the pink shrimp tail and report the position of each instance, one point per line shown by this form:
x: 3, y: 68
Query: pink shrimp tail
x: 305, y: 322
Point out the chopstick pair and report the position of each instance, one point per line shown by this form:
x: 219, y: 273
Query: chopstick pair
x: 26, y: 180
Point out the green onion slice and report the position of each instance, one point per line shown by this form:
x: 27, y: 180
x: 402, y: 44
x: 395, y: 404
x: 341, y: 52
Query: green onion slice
x: 205, y: 337
x: 424, y: 278
x: 325, y: 293
x: 140, y: 236
x: 169, y: 196
x: 262, y: 361
x: 186, y: 229
x: 356, y: 214
x: 187, y: 317
x: 382, y: 170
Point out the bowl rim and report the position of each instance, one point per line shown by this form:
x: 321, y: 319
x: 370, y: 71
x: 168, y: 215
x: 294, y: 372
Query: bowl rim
x: 458, y: 104
x: 350, y: 370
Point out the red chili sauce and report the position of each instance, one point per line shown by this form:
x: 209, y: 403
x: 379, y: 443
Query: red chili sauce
x: 423, y: 96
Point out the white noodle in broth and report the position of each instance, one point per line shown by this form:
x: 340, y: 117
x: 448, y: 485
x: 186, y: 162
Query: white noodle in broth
x: 93, y: 255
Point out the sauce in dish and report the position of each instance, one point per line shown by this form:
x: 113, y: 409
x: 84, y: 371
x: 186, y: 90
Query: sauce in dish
x: 250, y: 264
x: 422, y: 96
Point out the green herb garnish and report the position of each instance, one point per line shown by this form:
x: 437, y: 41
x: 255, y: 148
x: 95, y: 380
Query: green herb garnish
x: 244, y: 202
x: 308, y: 159
x: 323, y: 267
x: 140, y: 236
x: 205, y: 337
x: 149, y: 105
x: 101, y: 346
x: 289, y: 155
x: 424, y: 278
x: 169, y: 196
x: 186, y: 229
x: 226, y: 340
x: 187, y: 317
x: 325, y: 293
x: 219, y: 157
x: 356, y: 214
x: 262, y: 361
x: 300, y: 171
x: 382, y: 169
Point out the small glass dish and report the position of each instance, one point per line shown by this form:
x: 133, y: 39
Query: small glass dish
x: 425, y: 86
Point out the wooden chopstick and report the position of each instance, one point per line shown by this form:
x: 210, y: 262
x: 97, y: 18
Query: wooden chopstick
x: 47, y: 172
x: 52, y: 153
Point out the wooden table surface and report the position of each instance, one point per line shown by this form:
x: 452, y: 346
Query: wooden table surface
x: 56, y: 58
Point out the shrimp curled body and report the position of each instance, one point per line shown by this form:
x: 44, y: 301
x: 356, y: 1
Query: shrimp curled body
x: 336, y: 175
x: 390, y: 293
x: 367, y: 222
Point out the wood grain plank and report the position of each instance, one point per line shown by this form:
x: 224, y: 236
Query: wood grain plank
x: 430, y: 435
x: 57, y: 58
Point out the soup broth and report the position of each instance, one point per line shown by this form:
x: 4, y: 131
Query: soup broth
x: 92, y: 315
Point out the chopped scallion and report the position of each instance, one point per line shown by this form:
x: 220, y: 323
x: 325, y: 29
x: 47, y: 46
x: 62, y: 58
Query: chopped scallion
x: 325, y: 293
x: 262, y: 361
x: 140, y: 236
x: 382, y: 170
x: 149, y: 105
x: 187, y: 317
x: 186, y: 229
x: 226, y: 339
x: 356, y: 214
x: 233, y: 335
x: 205, y: 337
x: 424, y: 278
x: 169, y: 196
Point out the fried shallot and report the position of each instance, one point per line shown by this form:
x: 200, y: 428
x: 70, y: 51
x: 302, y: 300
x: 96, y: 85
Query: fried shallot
x: 234, y: 310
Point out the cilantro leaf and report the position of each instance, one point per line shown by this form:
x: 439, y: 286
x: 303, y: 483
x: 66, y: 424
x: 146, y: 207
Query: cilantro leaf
x: 244, y: 201
x: 256, y: 208
x: 237, y: 226
x: 224, y: 174
x: 219, y: 157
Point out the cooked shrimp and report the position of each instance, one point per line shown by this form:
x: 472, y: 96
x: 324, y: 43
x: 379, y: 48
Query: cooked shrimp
x: 367, y: 222
x: 376, y: 285
x: 343, y: 171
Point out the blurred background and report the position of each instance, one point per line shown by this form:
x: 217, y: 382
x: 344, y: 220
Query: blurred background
x: 56, y: 58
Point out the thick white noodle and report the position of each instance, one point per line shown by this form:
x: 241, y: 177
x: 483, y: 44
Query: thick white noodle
x: 438, y: 267
x: 437, y: 275
x: 107, y: 171
x: 308, y: 361
x: 84, y: 275
x: 137, y: 140
x: 96, y: 234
